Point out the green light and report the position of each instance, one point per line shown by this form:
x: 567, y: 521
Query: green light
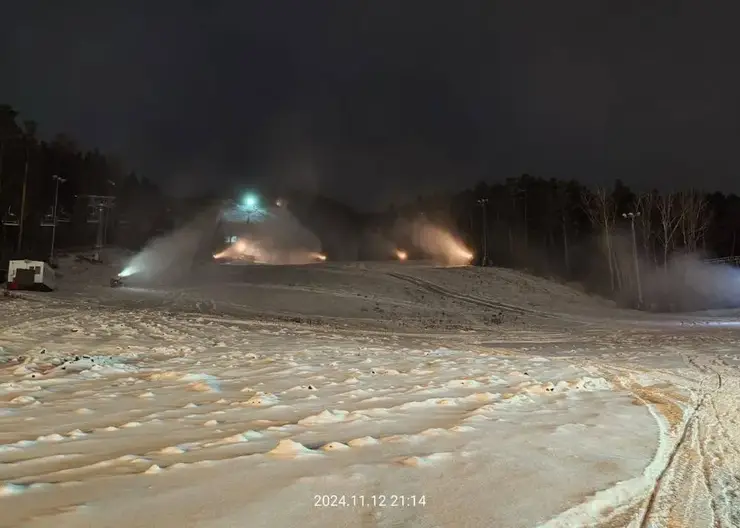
x: 250, y: 201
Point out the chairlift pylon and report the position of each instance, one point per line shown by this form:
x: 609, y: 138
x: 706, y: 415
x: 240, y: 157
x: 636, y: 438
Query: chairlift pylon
x: 48, y: 219
x: 10, y: 218
x: 62, y: 216
x: 93, y: 215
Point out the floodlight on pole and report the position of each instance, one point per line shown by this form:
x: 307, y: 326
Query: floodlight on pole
x: 251, y: 205
x: 58, y: 180
x: 631, y: 217
x: 483, y: 203
x: 250, y: 201
x: 106, y: 217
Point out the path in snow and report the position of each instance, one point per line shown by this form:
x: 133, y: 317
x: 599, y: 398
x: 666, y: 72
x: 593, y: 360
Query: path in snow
x: 701, y: 485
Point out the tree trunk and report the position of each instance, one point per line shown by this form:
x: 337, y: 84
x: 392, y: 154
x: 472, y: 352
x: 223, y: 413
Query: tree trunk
x: 665, y: 257
x: 654, y: 253
x: 608, y: 241
x: 732, y: 250
x: 617, y: 270
x: 526, y: 223
x: 2, y: 160
x: 566, y: 253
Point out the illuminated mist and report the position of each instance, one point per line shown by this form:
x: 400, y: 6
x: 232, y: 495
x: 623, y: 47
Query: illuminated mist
x: 441, y: 245
x: 278, y: 239
x: 264, y: 252
x: 691, y: 284
x: 436, y: 242
x: 171, y: 257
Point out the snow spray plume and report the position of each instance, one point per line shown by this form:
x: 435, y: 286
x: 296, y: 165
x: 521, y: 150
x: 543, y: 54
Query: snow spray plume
x: 439, y: 244
x: 171, y: 257
x: 278, y: 238
x: 690, y: 283
x: 284, y: 240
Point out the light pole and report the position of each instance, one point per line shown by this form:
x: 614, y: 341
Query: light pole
x: 483, y: 202
x: 250, y: 204
x: 107, y: 215
x: 58, y: 180
x: 631, y: 217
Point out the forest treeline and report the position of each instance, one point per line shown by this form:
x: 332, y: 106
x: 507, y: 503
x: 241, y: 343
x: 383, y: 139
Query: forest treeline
x: 28, y: 166
x: 551, y: 227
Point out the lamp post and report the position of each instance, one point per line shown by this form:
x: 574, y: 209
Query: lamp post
x: 106, y: 213
x: 483, y: 202
x: 250, y: 204
x: 58, y: 180
x: 631, y: 217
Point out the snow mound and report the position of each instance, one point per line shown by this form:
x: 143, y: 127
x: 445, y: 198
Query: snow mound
x: 261, y: 400
x: 364, y: 441
x: 586, y: 384
x: 334, y: 446
x: 428, y: 460
x: 43, y: 364
x: 289, y: 449
x: 325, y: 417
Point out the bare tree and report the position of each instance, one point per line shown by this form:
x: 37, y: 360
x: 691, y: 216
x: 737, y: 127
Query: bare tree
x: 560, y: 215
x: 512, y: 186
x: 645, y: 204
x: 694, y: 218
x: 670, y: 218
x: 599, y: 207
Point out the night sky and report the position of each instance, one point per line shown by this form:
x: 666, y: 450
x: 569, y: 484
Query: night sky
x: 373, y: 101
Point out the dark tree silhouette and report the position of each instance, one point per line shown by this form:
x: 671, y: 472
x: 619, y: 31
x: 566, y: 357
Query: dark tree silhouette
x: 27, y: 186
x: 561, y: 229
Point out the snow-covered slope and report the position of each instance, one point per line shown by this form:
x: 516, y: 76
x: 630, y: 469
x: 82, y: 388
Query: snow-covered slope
x: 398, y: 296
x: 365, y: 296
x: 165, y: 420
x: 513, y: 287
x: 216, y: 405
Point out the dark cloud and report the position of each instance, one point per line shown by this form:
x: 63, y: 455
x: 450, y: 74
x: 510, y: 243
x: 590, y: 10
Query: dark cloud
x: 380, y: 100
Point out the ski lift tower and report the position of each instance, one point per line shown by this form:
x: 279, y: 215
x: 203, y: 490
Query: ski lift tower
x: 97, y: 207
x: 10, y: 218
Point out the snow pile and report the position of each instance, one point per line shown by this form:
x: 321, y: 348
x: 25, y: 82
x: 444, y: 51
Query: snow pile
x: 42, y: 364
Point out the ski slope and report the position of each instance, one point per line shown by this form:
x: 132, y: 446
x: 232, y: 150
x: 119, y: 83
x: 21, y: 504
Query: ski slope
x: 362, y: 395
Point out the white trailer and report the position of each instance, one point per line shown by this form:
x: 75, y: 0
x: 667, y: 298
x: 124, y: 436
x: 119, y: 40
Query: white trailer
x: 31, y: 275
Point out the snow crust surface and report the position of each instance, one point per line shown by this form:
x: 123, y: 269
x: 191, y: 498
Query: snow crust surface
x: 137, y: 409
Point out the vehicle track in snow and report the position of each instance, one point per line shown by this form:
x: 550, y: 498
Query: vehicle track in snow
x: 471, y: 299
x: 701, y: 484
x: 695, y: 480
x: 607, y: 321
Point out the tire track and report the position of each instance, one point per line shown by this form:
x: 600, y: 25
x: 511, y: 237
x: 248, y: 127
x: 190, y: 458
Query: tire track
x: 631, y: 500
x: 707, y: 464
x: 693, y: 487
x: 478, y: 301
